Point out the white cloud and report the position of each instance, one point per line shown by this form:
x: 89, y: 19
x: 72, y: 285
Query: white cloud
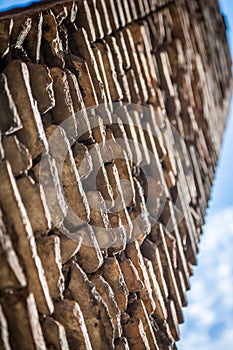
x: 209, y: 316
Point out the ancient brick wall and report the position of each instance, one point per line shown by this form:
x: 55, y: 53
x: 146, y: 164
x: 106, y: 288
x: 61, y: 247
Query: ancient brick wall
x: 111, y: 115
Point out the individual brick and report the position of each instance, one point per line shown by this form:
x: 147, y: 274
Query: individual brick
x: 33, y: 198
x: 136, y: 121
x: 130, y: 273
x: 114, y: 87
x: 135, y: 334
x: 81, y: 114
x: 169, y: 140
x: 121, y: 42
x: 160, y: 309
x: 4, y: 338
x: 50, y: 254
x: 17, y: 154
x: 187, y: 221
x: 171, y: 246
x: 133, y: 9
x: 96, y: 18
x: 153, y: 68
x: 99, y: 220
x: 46, y: 173
x: 103, y: 73
x: 120, y: 13
x: 94, y: 309
x: 156, y: 29
x: 63, y: 111
x: 151, y: 252
x: 120, y: 234
x: 140, y: 8
x: 133, y: 252
x: 133, y: 87
x: 5, y: 32
x: 23, y: 321
x: 82, y: 72
x: 69, y: 246
x: 163, y: 334
x: 32, y: 134
x: 17, y: 218
x: 69, y: 314
x: 42, y: 86
x: 119, y: 203
x: 138, y: 310
x: 181, y: 287
x: 82, y: 159
x: 116, y: 138
x: 119, y: 132
x: 172, y: 319
x: 32, y: 42
x: 126, y: 179
x: 19, y: 33
x: 114, y: 180
x: 135, y: 64
x: 86, y: 19
x: 81, y: 47
x: 89, y: 255
x: 74, y: 87
x: 60, y: 150
x: 61, y: 13
x: 51, y: 48
x: 107, y: 294
x: 165, y: 73
x: 10, y: 121
x: 103, y: 12
x: 155, y: 144
x: 113, y: 275
x: 12, y: 275
x: 98, y: 179
x: 158, y: 237
x: 112, y: 14
x: 128, y: 127
x: 197, y: 172
x: 54, y: 334
x: 148, y: 7
x: 118, y: 63
x: 126, y: 11
x: 139, y: 215
x: 168, y: 212
x: 135, y: 31
x: 121, y: 344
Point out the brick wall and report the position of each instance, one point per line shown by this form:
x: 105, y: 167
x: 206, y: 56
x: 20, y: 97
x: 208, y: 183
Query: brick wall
x: 112, y: 116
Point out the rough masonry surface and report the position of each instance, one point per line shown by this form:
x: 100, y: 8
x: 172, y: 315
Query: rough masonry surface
x: 96, y: 244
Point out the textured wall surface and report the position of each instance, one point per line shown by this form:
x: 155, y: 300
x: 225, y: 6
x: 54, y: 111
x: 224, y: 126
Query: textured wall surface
x: 111, y: 116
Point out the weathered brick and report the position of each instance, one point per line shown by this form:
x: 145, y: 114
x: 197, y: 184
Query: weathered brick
x: 26, y: 246
x: 32, y: 134
x: 135, y: 334
x: 69, y: 314
x: 94, y: 309
x: 54, y: 333
x: 113, y: 275
x: 23, y: 321
x: 42, y: 86
x: 17, y: 154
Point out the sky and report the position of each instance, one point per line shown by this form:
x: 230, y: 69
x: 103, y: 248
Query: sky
x: 209, y: 315
x: 9, y: 4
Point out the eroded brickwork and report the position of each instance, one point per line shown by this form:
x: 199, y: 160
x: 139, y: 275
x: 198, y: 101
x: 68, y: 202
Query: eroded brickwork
x: 108, y: 281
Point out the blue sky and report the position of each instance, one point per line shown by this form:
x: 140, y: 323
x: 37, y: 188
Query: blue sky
x: 9, y: 4
x: 209, y: 316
